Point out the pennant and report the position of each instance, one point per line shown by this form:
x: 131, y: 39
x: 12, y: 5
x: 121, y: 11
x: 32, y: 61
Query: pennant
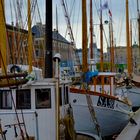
x: 109, y: 12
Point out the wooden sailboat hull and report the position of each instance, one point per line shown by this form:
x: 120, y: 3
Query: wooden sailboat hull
x: 112, y: 114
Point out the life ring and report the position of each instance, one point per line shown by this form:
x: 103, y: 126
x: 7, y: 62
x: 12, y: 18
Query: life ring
x: 15, y: 69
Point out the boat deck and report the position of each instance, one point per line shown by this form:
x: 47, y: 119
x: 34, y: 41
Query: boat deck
x: 132, y: 130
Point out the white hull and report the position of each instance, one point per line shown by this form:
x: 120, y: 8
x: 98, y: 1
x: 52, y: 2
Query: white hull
x: 112, y: 117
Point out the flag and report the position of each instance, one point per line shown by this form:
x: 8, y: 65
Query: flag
x: 109, y: 12
x: 104, y: 6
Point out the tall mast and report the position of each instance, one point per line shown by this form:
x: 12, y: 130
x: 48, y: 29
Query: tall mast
x: 101, y: 39
x: 111, y: 45
x: 3, y: 50
x: 84, y: 37
x: 48, y: 40
x: 91, y: 31
x: 30, y: 42
x: 138, y: 26
x: 129, y: 61
x: 131, y: 44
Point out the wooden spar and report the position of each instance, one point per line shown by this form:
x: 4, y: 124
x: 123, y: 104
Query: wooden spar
x: 101, y: 40
x: 12, y: 82
x: 111, y: 45
x: 101, y: 44
x: 138, y: 26
x: 91, y: 31
x: 131, y: 43
x: 84, y: 37
x: 48, y: 41
x: 129, y: 60
x: 30, y: 42
x: 3, y: 59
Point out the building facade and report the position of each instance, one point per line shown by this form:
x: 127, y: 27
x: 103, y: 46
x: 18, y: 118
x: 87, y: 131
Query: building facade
x: 16, y: 45
x: 120, y: 54
x: 60, y: 45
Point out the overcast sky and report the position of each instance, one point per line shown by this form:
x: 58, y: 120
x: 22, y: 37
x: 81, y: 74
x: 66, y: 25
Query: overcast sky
x: 117, y: 7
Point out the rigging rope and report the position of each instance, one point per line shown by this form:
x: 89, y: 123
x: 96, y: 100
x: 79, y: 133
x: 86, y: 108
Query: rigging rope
x: 92, y: 112
x: 87, y: 77
x: 17, y: 117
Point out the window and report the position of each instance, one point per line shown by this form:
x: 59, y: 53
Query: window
x: 36, y: 42
x: 37, y: 52
x: 5, y: 99
x: 23, y: 99
x: 43, y: 98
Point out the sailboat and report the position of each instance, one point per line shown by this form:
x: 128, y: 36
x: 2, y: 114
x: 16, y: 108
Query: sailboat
x: 33, y: 110
x: 95, y: 108
x: 130, y: 86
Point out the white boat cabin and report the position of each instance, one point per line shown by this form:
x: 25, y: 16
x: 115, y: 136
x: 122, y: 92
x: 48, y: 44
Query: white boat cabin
x: 32, y: 109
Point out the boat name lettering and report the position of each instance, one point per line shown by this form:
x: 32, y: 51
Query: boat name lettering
x: 105, y: 102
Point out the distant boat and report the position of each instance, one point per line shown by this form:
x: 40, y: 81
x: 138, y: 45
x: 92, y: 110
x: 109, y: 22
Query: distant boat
x: 129, y: 85
x: 95, y: 108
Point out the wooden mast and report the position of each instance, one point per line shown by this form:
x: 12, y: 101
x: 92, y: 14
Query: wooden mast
x: 111, y: 45
x: 129, y: 60
x: 131, y: 44
x: 91, y: 31
x: 30, y: 42
x: 84, y: 37
x: 101, y: 40
x: 138, y: 27
x: 3, y: 50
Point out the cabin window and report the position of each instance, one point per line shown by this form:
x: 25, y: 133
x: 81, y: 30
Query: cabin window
x: 43, y: 98
x: 23, y: 99
x: 5, y: 99
x: 66, y: 97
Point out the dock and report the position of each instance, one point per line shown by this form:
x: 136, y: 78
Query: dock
x: 132, y: 130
